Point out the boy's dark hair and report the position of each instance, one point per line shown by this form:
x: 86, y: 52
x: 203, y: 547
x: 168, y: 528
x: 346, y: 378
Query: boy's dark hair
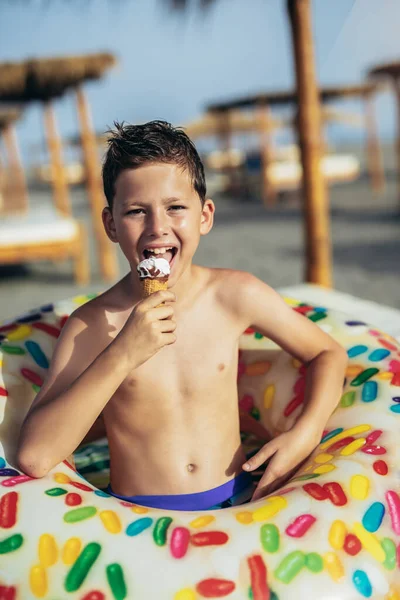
x: 131, y: 146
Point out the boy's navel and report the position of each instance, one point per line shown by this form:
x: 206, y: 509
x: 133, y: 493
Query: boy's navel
x: 190, y: 467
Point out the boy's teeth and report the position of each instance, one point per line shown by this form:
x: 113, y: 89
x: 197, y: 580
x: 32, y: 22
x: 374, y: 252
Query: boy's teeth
x: 158, y: 250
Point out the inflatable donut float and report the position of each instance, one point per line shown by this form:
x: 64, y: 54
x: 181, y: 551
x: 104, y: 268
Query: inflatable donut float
x: 332, y: 533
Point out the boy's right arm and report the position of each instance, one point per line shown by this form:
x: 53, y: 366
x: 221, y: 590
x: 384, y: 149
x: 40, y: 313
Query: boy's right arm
x: 79, y: 384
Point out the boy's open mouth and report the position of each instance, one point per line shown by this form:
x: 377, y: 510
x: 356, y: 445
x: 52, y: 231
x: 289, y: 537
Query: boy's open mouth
x: 168, y: 253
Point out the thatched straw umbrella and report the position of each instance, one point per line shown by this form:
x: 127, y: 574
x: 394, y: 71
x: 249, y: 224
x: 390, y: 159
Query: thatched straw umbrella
x: 14, y: 194
x: 391, y: 71
x: 317, y: 230
x: 44, y: 80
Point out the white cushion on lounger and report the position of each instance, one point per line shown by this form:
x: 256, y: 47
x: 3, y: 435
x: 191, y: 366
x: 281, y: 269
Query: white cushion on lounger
x: 334, y: 167
x: 40, y: 225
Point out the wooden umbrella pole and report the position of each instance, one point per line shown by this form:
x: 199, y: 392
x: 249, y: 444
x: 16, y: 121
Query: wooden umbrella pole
x: 396, y: 81
x: 58, y: 177
x: 15, y: 192
x: 269, y: 192
x: 374, y: 152
x: 317, y: 229
x: 106, y: 254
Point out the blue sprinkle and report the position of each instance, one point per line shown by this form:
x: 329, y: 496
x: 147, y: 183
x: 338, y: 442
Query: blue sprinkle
x: 378, y: 354
x: 138, y: 526
x: 362, y: 583
x: 395, y: 408
x: 320, y: 309
x: 29, y: 318
x: 396, y: 398
x: 372, y: 518
x: 37, y: 354
x: 2, y: 463
x: 331, y: 434
x: 356, y: 350
x: 101, y: 494
x: 47, y: 308
x: 354, y: 323
x: 369, y: 391
x: 8, y: 472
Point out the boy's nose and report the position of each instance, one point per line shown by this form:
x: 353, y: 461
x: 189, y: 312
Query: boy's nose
x: 157, y: 224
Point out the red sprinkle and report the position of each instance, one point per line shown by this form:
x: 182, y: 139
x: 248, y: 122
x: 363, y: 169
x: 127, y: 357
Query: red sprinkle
x: 380, y: 467
x: 73, y: 499
x: 300, y: 386
x: 374, y: 450
x: 258, y: 577
x: 50, y: 329
x: 63, y: 320
x: 32, y: 377
x: 387, y: 344
x: 293, y: 404
x: 352, y: 544
x: 303, y: 309
x: 81, y: 486
x: 396, y: 379
x: 16, y: 480
x: 316, y: 491
x: 394, y: 366
x: 300, y: 525
x: 340, y: 444
x: 95, y: 595
x: 335, y: 493
x: 246, y: 403
x: 5, y: 328
x: 8, y: 510
x: 3, y: 392
x: 7, y: 592
x: 215, y: 588
x: 209, y: 538
x: 250, y: 331
x: 373, y: 436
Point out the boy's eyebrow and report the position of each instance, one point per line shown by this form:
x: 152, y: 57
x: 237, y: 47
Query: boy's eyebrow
x: 136, y: 202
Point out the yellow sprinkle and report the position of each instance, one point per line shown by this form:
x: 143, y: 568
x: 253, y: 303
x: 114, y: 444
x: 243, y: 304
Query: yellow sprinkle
x: 359, y: 487
x: 333, y: 565
x: 139, y: 510
x: 324, y: 469
x: 291, y: 301
x: 20, y: 333
x: 273, y: 506
x: 258, y: 368
x: 369, y: 542
x: 393, y: 594
x: 384, y: 375
x: 71, y: 550
x: 61, y: 478
x: 245, y: 518
x: 354, y: 370
x: 80, y: 299
x: 48, y: 551
x: 306, y: 469
x: 38, y: 581
x: 347, y: 432
x: 323, y: 458
x: 352, y: 447
x: 111, y: 521
x: 336, y: 535
x: 202, y: 521
x: 269, y: 395
x: 185, y: 594
x: 296, y: 363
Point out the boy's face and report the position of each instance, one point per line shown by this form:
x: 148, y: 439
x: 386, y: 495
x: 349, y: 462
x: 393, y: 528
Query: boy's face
x: 156, y: 205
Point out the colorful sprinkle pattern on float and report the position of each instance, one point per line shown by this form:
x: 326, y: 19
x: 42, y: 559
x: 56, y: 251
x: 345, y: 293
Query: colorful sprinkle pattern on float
x: 333, y: 532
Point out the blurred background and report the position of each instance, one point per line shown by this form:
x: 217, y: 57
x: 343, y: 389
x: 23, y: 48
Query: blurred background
x: 294, y: 106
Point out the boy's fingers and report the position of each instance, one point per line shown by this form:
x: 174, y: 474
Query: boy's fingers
x: 158, y: 298
x: 262, y: 455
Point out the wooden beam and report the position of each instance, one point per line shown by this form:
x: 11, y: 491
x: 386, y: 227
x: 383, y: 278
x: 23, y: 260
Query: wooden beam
x: 105, y: 251
x: 396, y: 82
x: 15, y: 192
x: 58, y: 177
x: 316, y: 210
x: 373, y: 149
x: 268, y: 190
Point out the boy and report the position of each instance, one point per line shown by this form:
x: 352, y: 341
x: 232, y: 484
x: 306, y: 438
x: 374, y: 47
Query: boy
x: 162, y: 370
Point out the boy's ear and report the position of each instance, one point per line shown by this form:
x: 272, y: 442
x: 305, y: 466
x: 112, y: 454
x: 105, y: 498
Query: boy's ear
x: 207, y: 217
x: 109, y: 224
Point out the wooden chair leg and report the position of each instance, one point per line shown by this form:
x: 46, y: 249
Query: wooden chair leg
x: 81, y: 258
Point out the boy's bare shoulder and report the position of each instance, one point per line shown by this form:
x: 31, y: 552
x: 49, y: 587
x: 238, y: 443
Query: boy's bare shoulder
x: 235, y: 288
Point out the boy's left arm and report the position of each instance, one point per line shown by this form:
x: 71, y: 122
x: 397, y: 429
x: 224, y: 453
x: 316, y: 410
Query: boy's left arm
x: 265, y: 311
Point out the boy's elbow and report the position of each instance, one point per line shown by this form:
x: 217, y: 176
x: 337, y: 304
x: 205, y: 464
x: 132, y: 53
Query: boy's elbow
x: 33, y: 464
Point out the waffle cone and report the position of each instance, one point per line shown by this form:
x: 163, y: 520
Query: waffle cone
x: 151, y: 285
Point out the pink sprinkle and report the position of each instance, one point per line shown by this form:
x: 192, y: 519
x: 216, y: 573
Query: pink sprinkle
x: 179, y: 542
x: 394, y: 366
x: 246, y: 403
x: 373, y: 436
x: 393, y: 502
x: 300, y: 526
x: 16, y: 480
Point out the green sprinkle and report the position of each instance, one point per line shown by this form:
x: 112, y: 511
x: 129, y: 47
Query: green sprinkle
x: 258, y: 336
x: 389, y: 547
x: 80, y: 514
x: 317, y: 316
x: 160, y: 530
x: 314, y: 562
x: 305, y: 477
x: 11, y: 543
x: 36, y: 388
x: 56, y: 492
x: 12, y: 349
x: 290, y: 566
x: 363, y: 376
x: 255, y: 413
x: 116, y: 581
x: 81, y: 567
x: 347, y: 399
x: 269, y: 537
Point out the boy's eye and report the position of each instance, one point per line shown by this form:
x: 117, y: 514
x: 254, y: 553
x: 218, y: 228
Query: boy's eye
x: 177, y: 206
x: 135, y: 211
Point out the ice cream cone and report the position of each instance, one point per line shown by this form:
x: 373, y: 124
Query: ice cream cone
x: 151, y: 285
